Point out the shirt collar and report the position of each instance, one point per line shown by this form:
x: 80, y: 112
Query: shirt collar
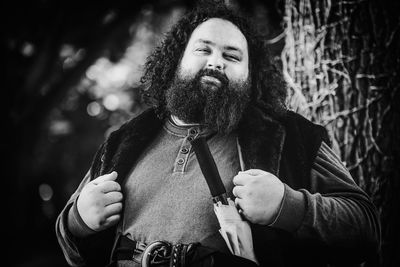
x: 180, y: 122
x: 180, y: 128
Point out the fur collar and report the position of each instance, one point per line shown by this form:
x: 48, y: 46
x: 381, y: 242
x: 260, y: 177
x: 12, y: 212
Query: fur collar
x: 261, y: 139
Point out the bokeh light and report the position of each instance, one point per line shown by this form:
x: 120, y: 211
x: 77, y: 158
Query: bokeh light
x: 45, y: 192
x: 111, y: 102
x: 28, y: 49
x: 94, y: 109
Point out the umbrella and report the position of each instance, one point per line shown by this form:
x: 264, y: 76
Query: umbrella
x: 235, y: 231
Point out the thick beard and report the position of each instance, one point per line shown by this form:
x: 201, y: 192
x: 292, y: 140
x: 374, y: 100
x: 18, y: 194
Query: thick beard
x: 219, y: 109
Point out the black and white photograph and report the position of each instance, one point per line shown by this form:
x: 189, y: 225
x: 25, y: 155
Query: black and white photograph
x: 204, y: 133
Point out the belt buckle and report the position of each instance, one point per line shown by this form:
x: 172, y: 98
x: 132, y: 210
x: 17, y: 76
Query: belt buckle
x: 147, y: 253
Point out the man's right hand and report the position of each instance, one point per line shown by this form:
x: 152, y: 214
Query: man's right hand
x: 100, y: 202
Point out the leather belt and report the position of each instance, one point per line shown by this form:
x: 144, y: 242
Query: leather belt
x: 161, y: 253
x: 158, y: 253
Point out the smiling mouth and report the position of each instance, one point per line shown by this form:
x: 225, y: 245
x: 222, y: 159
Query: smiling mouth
x: 211, y: 80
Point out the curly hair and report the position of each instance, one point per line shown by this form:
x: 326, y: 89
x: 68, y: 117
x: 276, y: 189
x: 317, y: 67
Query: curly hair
x: 268, y: 91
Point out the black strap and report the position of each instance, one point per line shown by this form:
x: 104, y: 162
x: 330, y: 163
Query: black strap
x: 208, y: 167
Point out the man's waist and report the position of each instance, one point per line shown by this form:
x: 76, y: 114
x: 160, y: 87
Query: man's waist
x: 162, y: 253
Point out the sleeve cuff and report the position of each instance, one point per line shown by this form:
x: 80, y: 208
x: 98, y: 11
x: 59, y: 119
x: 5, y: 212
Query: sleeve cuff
x: 76, y: 225
x: 291, y: 211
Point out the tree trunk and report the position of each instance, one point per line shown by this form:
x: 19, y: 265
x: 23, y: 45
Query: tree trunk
x: 341, y: 61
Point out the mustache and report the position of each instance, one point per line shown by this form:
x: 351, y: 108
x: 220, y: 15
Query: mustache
x: 213, y: 73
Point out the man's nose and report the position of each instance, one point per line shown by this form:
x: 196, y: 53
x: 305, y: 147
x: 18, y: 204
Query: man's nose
x: 215, y: 62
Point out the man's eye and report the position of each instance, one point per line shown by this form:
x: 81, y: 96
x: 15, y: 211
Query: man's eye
x: 232, y: 57
x: 204, y: 50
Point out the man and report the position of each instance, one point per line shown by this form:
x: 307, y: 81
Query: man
x: 212, y: 78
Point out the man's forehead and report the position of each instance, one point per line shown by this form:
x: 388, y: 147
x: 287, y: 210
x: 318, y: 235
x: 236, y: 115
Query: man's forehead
x: 216, y: 31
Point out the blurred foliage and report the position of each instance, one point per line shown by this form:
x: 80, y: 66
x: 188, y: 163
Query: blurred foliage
x: 342, y: 62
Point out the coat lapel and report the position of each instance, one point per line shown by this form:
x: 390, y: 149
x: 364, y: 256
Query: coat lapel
x: 127, y: 144
x: 261, y: 139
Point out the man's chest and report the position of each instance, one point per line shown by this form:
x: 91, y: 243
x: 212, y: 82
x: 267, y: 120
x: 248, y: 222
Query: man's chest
x: 166, y: 195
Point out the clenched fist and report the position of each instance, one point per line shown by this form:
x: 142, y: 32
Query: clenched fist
x: 258, y: 195
x: 100, y: 202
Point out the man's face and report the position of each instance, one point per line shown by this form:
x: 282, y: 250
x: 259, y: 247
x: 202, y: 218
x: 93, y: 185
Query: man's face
x: 216, y: 44
x: 211, y: 85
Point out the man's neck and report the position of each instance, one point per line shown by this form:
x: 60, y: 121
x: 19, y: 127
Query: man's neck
x: 179, y: 122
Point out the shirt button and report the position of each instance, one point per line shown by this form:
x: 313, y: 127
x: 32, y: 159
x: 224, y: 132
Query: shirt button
x: 192, y: 131
x: 190, y: 139
x: 184, y: 150
x: 181, y: 161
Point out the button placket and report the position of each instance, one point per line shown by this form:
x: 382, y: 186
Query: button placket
x: 184, y: 151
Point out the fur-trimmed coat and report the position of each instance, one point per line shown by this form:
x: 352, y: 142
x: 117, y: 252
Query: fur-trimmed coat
x: 287, y: 148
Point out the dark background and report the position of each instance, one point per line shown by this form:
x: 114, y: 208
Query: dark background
x: 72, y: 76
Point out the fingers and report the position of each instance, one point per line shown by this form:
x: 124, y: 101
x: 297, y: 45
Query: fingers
x: 238, y: 191
x: 106, y: 177
x: 109, y: 186
x: 112, y: 220
x: 113, y: 209
x: 238, y: 179
x: 245, y: 177
x: 113, y: 197
x: 241, y: 179
x: 254, y: 172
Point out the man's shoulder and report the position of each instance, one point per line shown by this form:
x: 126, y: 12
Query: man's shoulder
x: 299, y: 119
x: 146, y: 119
x: 125, y: 142
x: 134, y: 130
x: 300, y: 125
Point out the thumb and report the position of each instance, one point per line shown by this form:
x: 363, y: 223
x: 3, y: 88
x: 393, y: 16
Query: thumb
x: 106, y: 177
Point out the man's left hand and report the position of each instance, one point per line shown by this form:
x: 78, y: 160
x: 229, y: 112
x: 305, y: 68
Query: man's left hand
x: 258, y: 195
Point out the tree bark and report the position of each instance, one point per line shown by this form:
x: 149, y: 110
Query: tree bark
x: 341, y: 62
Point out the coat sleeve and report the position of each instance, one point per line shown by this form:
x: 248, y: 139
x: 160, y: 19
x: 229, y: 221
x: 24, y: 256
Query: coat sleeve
x: 67, y: 241
x: 334, y: 213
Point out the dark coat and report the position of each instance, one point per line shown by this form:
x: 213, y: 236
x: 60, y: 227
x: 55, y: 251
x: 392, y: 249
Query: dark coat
x: 286, y: 148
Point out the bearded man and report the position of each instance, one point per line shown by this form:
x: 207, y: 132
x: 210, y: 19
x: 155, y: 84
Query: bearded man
x: 212, y: 78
